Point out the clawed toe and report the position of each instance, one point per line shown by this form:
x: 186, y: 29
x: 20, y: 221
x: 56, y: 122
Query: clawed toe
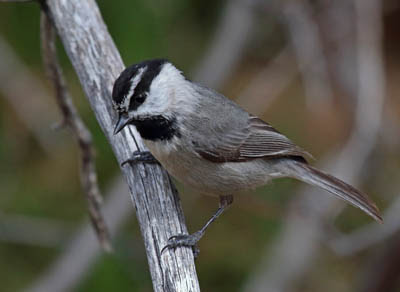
x: 189, y: 240
x: 192, y: 239
x: 140, y: 156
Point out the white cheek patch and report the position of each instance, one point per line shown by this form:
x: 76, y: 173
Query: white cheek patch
x: 162, y: 91
x: 134, y: 82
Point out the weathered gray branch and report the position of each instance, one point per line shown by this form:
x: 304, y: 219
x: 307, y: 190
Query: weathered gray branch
x: 98, y: 63
x: 72, y: 265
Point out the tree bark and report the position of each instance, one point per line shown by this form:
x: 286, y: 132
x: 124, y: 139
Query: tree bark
x: 98, y: 63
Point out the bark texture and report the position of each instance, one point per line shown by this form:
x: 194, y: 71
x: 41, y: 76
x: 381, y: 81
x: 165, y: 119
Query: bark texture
x: 98, y: 63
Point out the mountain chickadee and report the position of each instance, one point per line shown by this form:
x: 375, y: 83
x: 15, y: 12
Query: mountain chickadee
x: 208, y: 142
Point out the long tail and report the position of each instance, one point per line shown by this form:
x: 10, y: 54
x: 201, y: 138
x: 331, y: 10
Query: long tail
x: 344, y: 191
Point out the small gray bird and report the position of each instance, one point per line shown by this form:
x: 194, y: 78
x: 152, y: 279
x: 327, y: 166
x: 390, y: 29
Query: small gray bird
x: 208, y: 142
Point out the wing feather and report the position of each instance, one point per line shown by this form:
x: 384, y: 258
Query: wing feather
x: 257, y: 140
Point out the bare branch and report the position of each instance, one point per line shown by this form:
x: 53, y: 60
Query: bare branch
x: 97, y: 63
x: 82, y: 134
x: 71, y: 266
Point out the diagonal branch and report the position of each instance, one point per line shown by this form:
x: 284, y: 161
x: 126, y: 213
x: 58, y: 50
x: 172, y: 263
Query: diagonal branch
x: 81, y: 133
x: 97, y: 62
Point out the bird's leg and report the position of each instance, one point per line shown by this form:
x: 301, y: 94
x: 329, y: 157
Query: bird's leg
x: 192, y: 239
x: 141, y: 156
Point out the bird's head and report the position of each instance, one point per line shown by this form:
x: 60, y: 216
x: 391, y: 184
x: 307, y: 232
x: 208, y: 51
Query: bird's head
x: 146, y: 90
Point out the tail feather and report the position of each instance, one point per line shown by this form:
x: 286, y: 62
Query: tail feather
x: 344, y: 191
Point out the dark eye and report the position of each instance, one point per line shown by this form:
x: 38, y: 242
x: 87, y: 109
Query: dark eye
x: 137, y: 100
x: 140, y: 98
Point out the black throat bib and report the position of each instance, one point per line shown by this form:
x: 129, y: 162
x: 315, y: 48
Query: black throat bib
x: 157, y: 128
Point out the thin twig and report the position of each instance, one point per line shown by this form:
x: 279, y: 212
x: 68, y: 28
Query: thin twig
x: 82, y: 134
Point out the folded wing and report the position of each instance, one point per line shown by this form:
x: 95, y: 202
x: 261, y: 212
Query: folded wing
x: 257, y: 140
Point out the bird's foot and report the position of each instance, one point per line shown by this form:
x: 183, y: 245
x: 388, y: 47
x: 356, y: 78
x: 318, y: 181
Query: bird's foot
x: 192, y: 239
x: 140, y: 156
x: 189, y: 240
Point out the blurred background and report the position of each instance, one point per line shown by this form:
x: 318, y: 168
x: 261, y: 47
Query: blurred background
x: 325, y: 72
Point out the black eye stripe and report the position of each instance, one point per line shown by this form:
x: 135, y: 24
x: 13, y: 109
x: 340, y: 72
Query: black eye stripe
x: 143, y: 88
x: 123, y: 84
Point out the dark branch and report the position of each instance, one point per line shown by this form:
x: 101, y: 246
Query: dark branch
x: 75, y: 123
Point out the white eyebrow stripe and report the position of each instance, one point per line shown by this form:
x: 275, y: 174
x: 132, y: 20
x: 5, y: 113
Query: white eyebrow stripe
x: 134, y: 83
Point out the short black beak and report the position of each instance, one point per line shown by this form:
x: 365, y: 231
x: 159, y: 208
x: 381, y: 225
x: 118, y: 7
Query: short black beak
x: 123, y: 120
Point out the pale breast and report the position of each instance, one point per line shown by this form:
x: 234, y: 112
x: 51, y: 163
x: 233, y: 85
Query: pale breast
x: 209, y: 177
